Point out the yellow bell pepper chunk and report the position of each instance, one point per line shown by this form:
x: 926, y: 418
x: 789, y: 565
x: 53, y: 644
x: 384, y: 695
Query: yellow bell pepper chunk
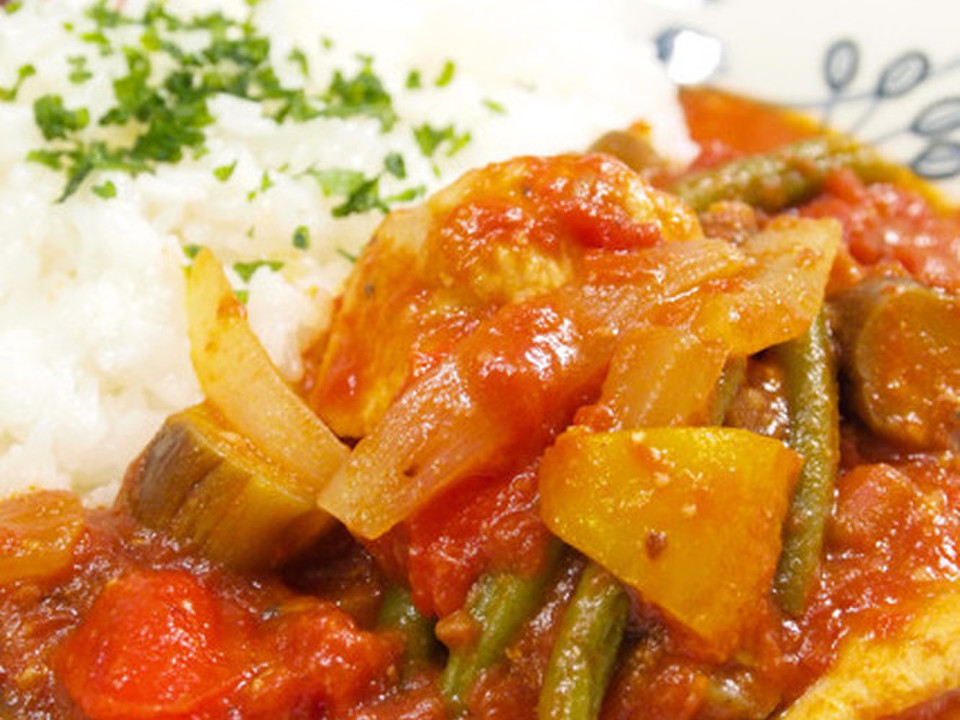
x: 690, y: 517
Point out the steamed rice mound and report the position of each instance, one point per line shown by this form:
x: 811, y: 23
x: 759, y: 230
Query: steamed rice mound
x: 92, y: 327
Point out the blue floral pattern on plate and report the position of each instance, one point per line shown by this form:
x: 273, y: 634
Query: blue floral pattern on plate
x: 909, y: 106
x: 934, y: 123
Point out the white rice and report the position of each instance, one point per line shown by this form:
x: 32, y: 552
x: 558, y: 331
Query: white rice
x: 93, y: 350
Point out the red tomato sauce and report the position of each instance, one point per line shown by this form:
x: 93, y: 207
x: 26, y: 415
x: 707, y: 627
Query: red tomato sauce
x: 136, y: 629
x: 893, y: 227
x: 483, y: 524
x: 487, y: 524
x: 901, y: 229
x: 726, y: 126
x: 892, y: 541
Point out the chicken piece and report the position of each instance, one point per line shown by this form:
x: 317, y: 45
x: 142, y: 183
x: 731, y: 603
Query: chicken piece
x: 875, y: 677
x: 499, y: 235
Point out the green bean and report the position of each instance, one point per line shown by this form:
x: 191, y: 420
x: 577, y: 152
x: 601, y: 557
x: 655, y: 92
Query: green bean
x: 732, y: 378
x: 585, y: 651
x: 397, y: 612
x: 784, y: 177
x: 500, y: 603
x: 811, y: 389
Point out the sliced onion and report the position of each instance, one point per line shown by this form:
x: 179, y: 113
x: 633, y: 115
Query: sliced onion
x: 239, y: 379
x: 779, y: 294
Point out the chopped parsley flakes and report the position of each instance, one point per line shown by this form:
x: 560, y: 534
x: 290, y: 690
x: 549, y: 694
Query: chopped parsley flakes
x: 394, y: 164
x: 336, y: 181
x: 299, y: 58
x: 414, y: 80
x: 245, y: 270
x: 363, y: 197
x: 167, y: 112
x: 301, y: 237
x: 79, y: 73
x: 172, y: 66
x: 10, y: 94
x: 225, y: 172
x: 363, y: 94
x: 446, y: 75
x: 361, y: 193
x: 105, y: 190
x: 431, y: 139
x: 56, y: 121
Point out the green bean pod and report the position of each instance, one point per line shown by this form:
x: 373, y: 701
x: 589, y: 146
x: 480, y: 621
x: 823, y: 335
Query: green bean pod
x: 810, y: 381
x: 784, y: 177
x: 500, y: 603
x: 732, y: 379
x: 398, y: 613
x: 583, y: 657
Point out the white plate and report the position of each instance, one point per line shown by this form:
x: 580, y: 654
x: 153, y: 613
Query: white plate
x: 888, y: 73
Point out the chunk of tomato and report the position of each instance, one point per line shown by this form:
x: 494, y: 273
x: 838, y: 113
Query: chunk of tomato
x: 166, y: 645
x: 311, y: 659
x: 151, y: 647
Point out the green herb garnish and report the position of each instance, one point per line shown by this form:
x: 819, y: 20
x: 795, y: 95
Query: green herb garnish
x: 80, y: 160
x: 245, y: 270
x: 301, y: 237
x: 162, y: 102
x: 97, y: 38
x: 362, y: 95
x: 430, y: 139
x: 299, y: 58
x: 56, y: 121
x: 105, y: 16
x: 105, y: 190
x: 363, y: 198
x: 414, y: 80
x: 395, y: 165
x: 336, y: 181
x: 446, y: 75
x: 361, y: 193
x: 225, y: 172
x: 80, y: 73
x: 10, y: 94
